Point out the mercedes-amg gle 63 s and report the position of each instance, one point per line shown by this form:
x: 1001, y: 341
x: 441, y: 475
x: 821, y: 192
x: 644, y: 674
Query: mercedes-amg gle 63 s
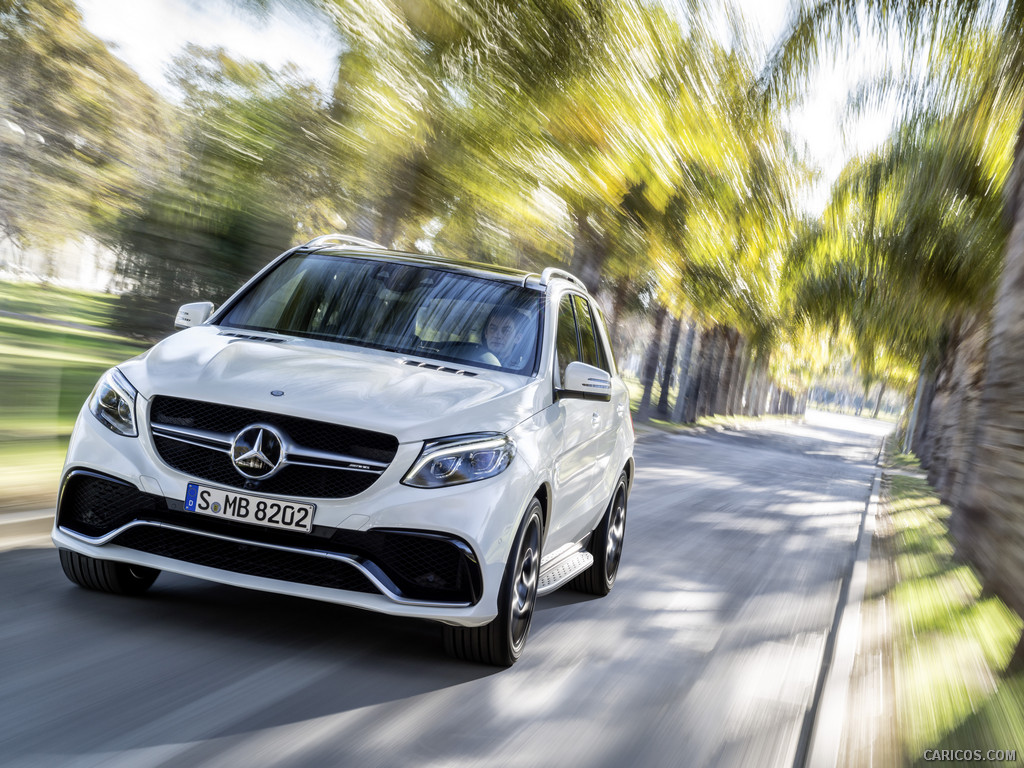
x: 402, y: 433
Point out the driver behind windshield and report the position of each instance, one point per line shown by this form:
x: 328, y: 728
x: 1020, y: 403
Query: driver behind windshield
x: 503, y: 334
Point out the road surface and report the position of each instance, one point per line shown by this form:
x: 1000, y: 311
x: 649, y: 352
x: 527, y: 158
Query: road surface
x: 708, y: 652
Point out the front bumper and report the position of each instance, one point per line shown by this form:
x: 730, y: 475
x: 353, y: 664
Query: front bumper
x: 428, y: 553
x: 407, y: 567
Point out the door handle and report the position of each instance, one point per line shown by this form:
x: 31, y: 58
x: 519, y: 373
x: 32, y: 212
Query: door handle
x: 595, y: 419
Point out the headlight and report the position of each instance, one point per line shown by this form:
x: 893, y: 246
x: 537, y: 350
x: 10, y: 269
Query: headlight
x: 113, y: 403
x: 461, y: 459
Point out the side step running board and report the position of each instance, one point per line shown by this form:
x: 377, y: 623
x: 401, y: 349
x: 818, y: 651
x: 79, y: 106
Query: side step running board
x: 562, y: 568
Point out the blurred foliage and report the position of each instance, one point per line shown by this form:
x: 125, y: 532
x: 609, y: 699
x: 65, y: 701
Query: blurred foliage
x: 913, y: 238
x: 80, y: 134
x: 613, y: 136
x: 49, y: 366
x: 952, y: 642
x: 244, y: 174
x: 49, y: 363
x: 616, y: 137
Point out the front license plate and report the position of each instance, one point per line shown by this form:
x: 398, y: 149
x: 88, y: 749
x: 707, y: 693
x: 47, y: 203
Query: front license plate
x: 272, y: 513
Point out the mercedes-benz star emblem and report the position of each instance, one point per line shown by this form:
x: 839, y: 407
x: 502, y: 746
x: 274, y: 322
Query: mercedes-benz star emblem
x: 256, y: 452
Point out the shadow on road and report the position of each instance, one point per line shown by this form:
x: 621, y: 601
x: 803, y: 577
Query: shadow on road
x: 188, y: 641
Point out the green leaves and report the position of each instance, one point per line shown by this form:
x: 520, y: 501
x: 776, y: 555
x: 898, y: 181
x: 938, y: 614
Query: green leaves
x: 78, y: 129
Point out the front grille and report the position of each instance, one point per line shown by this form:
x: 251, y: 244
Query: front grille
x: 417, y: 565
x: 292, y: 480
x: 245, y: 558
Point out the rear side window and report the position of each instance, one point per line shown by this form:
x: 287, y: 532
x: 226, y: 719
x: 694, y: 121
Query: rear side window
x: 566, y: 345
x: 589, y: 346
x: 604, y: 345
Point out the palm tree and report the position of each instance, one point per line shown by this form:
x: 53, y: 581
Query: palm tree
x: 982, y: 41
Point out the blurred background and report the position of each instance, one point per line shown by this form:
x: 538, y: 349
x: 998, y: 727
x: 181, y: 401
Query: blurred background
x: 779, y: 207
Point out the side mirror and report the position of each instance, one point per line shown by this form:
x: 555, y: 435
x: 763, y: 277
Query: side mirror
x: 585, y: 382
x: 193, y: 314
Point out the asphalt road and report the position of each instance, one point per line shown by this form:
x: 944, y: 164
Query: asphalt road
x: 708, y: 651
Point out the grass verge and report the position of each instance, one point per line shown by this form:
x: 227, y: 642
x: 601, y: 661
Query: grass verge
x: 950, y: 641
x: 46, y: 373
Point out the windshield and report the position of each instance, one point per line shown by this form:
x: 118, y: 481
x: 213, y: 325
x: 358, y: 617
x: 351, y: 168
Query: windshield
x: 408, y: 308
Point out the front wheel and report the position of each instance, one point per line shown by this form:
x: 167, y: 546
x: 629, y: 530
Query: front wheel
x: 606, y: 545
x: 502, y: 641
x: 106, y: 575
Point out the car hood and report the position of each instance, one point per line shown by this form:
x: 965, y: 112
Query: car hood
x: 364, y: 388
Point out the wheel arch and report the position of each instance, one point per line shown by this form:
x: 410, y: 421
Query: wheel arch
x: 543, y: 495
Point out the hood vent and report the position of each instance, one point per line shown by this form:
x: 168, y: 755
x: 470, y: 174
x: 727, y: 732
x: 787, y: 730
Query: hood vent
x: 249, y: 337
x: 431, y: 366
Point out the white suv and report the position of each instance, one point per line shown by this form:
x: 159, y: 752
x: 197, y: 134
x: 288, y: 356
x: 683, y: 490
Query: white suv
x: 402, y: 433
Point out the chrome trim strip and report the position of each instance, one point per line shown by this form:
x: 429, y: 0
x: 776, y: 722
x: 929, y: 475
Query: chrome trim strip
x: 99, y: 541
x: 347, y: 559
x: 295, y: 454
x: 325, y: 465
x: 291, y: 453
x: 200, y: 437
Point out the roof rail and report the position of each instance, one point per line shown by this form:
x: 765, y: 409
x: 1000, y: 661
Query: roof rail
x: 552, y: 272
x: 337, y: 239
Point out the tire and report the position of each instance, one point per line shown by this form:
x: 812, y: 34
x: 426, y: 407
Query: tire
x: 106, y: 575
x: 501, y: 642
x: 606, y: 546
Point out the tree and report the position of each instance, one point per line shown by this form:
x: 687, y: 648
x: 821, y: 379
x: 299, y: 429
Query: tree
x: 80, y: 134
x: 980, y: 49
x: 250, y: 172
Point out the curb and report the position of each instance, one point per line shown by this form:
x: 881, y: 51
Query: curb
x: 829, y: 716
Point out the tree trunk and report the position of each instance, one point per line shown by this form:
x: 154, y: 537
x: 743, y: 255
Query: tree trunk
x: 973, y: 357
x: 395, y: 207
x: 619, y: 291
x: 679, y: 412
x: 922, y: 432
x: 754, y: 400
x: 992, y: 532
x: 908, y: 439
x: 589, y: 249
x: 650, y: 371
x: 863, y: 400
x: 728, y: 371
x: 707, y: 353
x: 740, y: 384
x: 670, y: 365
x: 878, y: 400
x: 753, y: 383
x: 709, y: 376
x: 717, y: 363
x: 764, y: 393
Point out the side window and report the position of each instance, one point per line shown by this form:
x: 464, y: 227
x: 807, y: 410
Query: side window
x: 588, y: 338
x: 604, y: 345
x: 566, y: 348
